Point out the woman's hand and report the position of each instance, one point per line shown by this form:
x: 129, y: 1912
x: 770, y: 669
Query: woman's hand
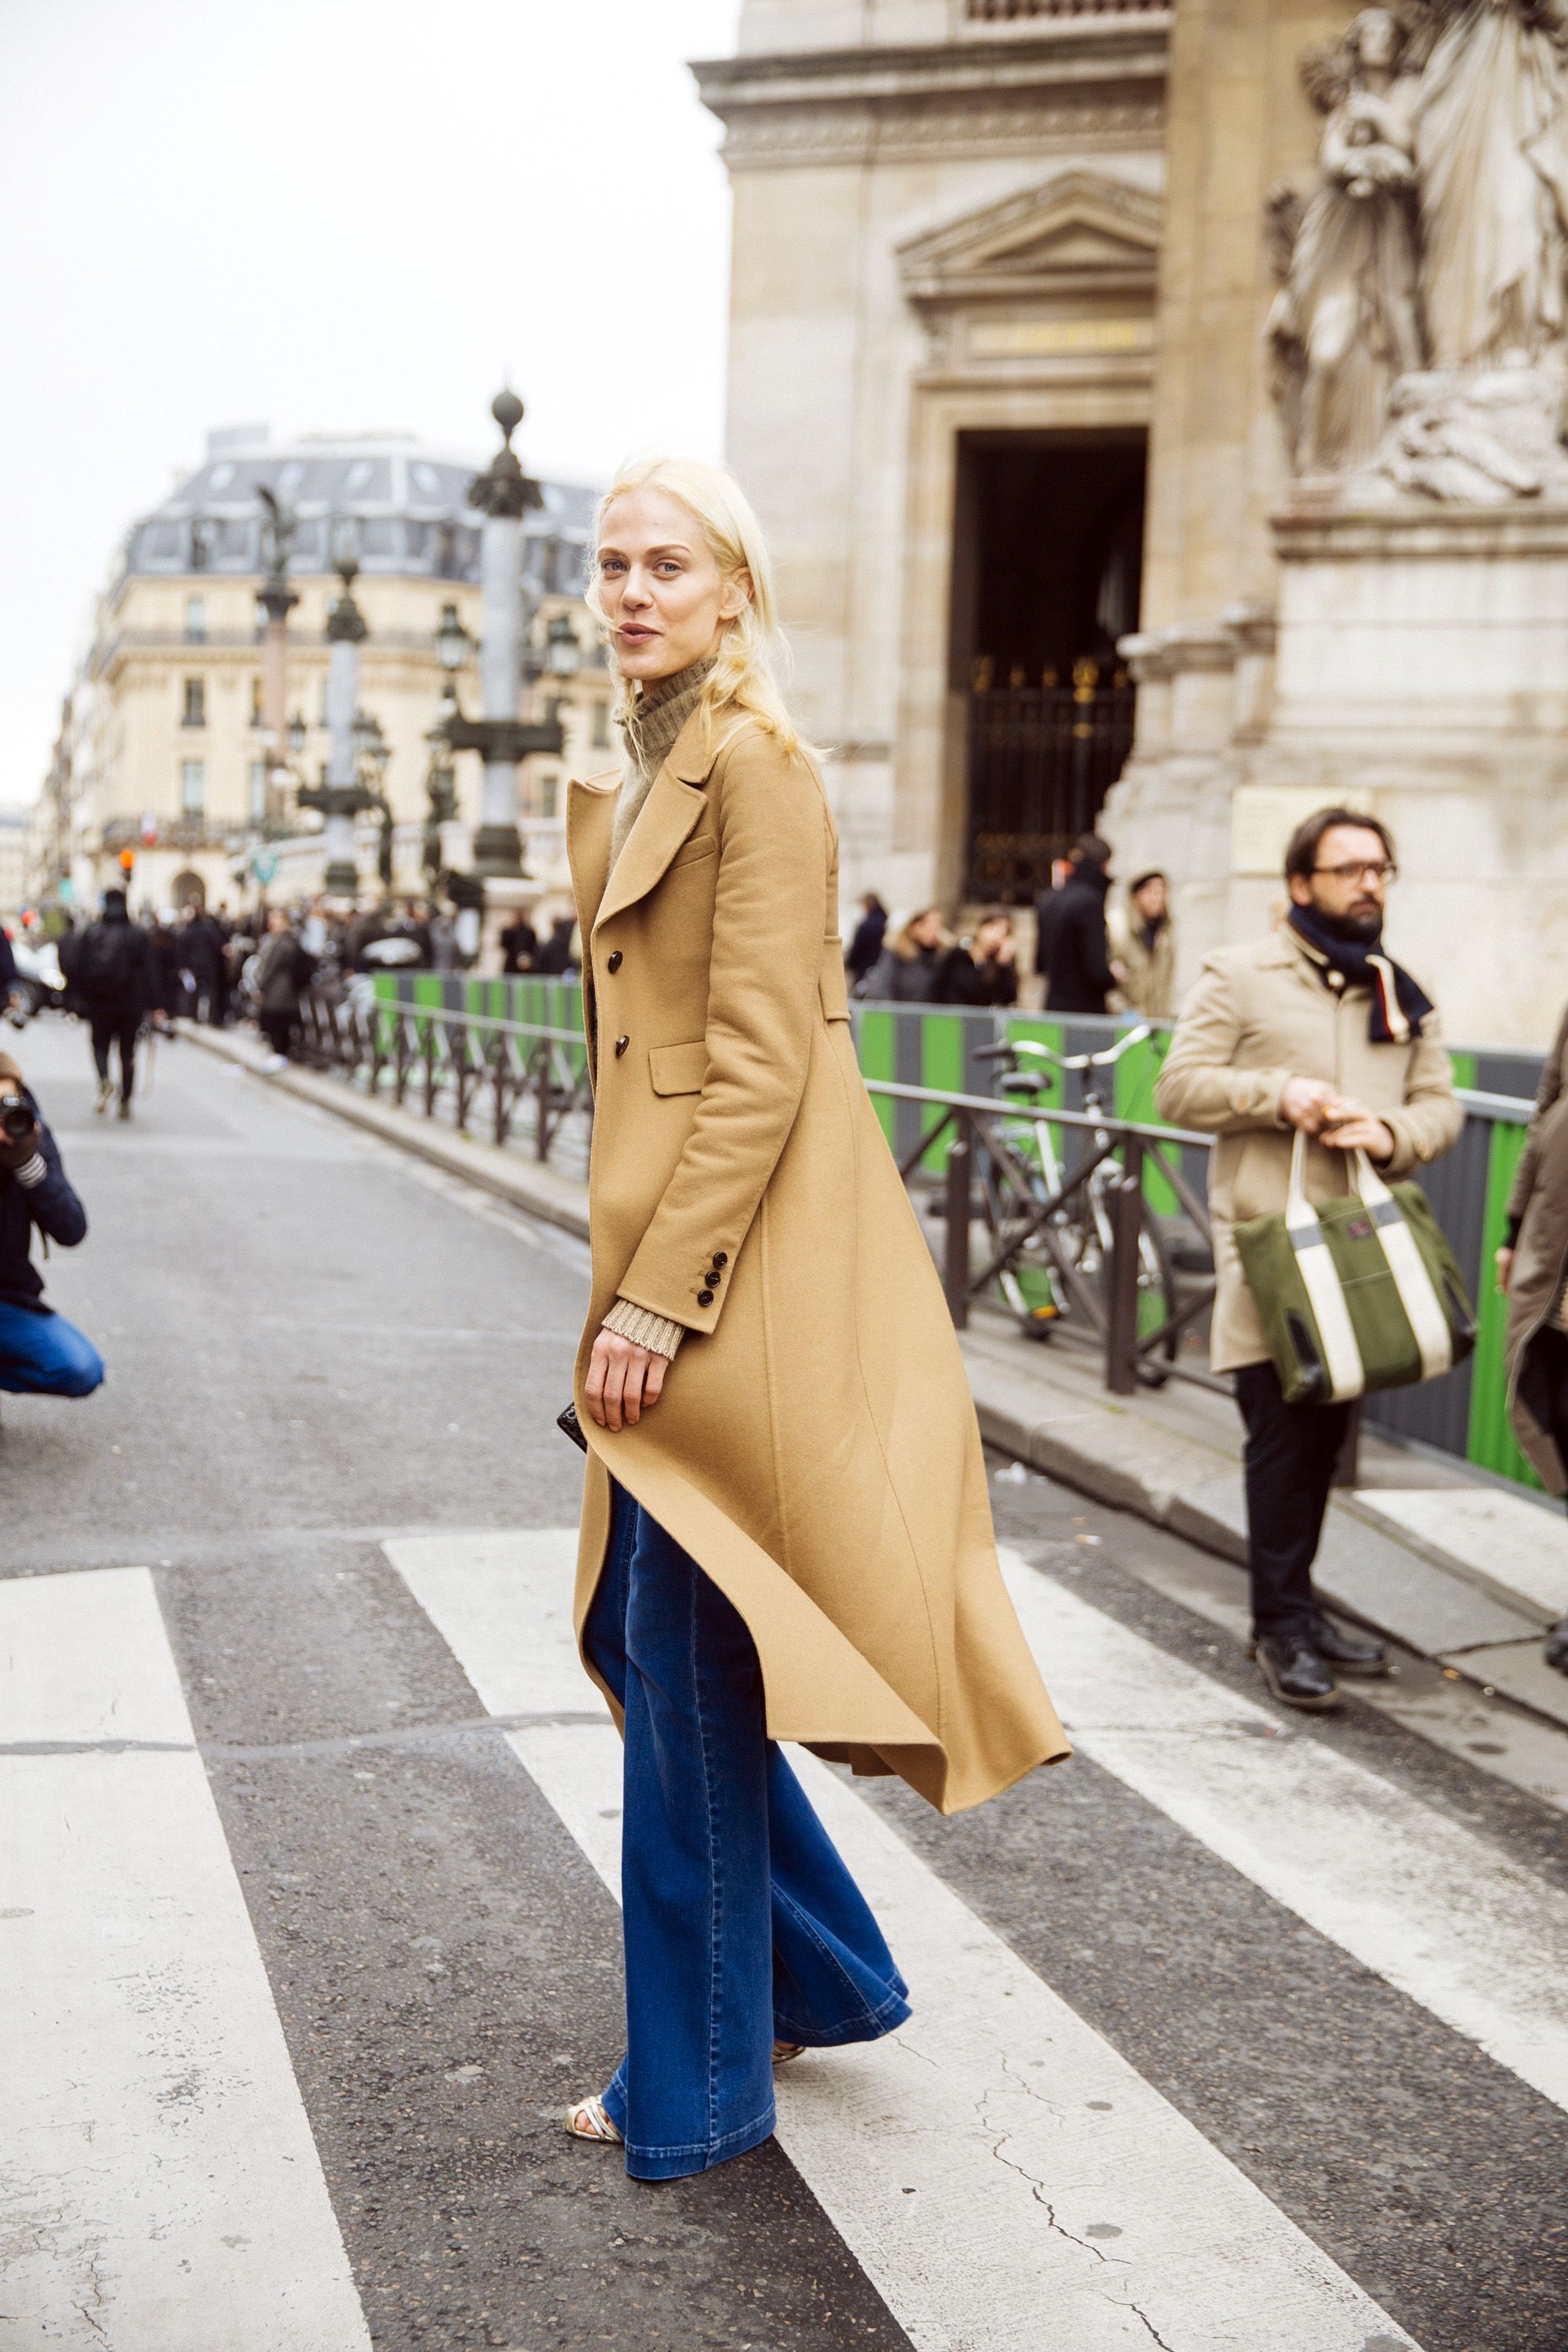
x: 623, y: 1380
x: 1504, y: 1264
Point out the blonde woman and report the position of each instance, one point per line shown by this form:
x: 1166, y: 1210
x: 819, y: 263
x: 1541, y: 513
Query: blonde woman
x: 785, y: 1526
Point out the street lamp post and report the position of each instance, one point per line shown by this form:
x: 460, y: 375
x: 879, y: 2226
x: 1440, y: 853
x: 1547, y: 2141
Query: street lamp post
x: 341, y: 795
x: 277, y: 599
x: 503, y: 495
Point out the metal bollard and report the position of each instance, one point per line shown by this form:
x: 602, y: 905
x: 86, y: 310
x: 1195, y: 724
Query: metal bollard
x: 1125, y: 1206
x: 955, y: 1259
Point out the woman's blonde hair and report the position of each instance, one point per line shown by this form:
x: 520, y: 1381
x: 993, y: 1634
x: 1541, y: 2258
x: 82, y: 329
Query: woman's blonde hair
x: 742, y: 679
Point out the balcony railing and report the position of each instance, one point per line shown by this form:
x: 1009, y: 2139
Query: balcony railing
x: 1008, y: 12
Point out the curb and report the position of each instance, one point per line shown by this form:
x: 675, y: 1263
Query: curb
x: 1096, y: 1447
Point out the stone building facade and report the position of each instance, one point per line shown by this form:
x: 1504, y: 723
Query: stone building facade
x: 1005, y: 385
x: 162, y: 752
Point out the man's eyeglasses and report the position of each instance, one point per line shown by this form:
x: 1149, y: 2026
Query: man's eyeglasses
x: 1362, y: 869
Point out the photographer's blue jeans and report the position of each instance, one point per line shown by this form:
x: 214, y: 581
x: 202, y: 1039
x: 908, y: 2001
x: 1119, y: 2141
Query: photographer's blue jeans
x: 741, y: 1922
x: 43, y: 1355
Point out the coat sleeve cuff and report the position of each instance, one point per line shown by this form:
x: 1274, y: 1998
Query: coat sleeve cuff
x: 33, y: 1171
x: 643, y: 1327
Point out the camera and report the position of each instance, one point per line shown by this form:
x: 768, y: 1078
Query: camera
x: 17, y: 1121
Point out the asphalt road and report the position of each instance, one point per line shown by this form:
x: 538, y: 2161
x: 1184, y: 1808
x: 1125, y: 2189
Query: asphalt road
x: 317, y: 1346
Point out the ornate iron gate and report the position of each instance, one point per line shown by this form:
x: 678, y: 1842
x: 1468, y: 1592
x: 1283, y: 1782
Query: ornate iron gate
x: 1041, y: 761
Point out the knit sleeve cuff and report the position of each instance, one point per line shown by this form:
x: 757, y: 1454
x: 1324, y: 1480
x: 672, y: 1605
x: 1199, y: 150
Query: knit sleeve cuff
x: 33, y: 1171
x: 644, y: 1328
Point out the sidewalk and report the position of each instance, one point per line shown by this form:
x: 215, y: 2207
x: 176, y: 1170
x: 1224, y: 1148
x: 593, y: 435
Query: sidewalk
x: 1464, y: 1572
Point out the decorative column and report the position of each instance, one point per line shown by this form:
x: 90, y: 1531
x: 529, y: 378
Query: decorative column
x: 277, y: 599
x: 341, y: 796
x: 503, y: 495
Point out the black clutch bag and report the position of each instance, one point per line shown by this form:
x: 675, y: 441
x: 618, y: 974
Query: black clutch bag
x: 569, y: 1422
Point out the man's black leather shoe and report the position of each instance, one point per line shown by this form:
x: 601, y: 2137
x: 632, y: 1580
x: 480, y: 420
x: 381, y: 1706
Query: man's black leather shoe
x: 1342, y: 1651
x: 1294, y: 1672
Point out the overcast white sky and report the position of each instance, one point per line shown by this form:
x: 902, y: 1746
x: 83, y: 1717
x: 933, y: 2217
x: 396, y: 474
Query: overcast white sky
x: 333, y: 216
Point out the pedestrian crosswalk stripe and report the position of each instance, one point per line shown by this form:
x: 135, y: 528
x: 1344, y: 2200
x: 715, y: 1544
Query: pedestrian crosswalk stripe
x: 162, y: 2191
x: 1003, y: 2174
x: 1403, y: 1887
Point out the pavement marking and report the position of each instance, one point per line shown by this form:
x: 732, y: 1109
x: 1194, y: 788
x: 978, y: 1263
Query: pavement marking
x: 160, y: 2189
x: 1002, y: 2174
x: 1423, y: 1902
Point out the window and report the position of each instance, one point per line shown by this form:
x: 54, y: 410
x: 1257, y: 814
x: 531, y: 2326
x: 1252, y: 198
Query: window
x: 195, y: 620
x: 196, y: 714
x: 256, y: 710
x: 192, y: 787
x: 548, y: 788
x: 258, y: 790
x: 601, y: 737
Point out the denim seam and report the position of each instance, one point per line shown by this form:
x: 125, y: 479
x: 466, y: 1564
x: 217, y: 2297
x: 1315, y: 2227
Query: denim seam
x: 716, y: 1900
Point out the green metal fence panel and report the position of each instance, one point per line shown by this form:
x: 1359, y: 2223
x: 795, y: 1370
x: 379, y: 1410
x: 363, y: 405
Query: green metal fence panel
x: 943, y: 1070
x: 875, y: 1044
x: 1491, y: 1444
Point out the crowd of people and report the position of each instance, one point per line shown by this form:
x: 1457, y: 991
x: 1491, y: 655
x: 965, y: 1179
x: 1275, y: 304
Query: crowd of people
x: 1093, y: 952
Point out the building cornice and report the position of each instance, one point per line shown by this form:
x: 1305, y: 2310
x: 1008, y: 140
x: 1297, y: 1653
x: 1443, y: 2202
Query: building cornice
x: 1100, y: 80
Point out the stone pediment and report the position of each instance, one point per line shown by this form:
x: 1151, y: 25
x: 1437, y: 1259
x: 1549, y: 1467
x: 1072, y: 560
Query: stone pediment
x: 1079, y: 232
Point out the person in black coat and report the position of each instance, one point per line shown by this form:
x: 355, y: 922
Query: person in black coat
x: 519, y: 946
x: 112, y: 971
x: 40, y: 1353
x: 1077, y: 957
x: 911, y: 966
x: 861, y: 956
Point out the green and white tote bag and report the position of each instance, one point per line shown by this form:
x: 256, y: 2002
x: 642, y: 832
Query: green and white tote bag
x: 1359, y: 1293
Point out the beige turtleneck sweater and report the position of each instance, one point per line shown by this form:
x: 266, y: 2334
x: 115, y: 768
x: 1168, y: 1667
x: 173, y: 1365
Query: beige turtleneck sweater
x: 661, y: 710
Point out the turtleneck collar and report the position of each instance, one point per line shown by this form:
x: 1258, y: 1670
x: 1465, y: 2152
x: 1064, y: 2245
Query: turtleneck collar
x: 659, y: 713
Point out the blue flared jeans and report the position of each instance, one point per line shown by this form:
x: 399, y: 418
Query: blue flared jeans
x: 741, y: 1922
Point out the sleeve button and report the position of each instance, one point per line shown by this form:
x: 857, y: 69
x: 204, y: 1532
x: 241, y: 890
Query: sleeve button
x: 705, y: 1299
x: 721, y: 1257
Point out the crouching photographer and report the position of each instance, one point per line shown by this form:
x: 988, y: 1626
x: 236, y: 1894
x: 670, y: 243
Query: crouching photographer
x: 40, y: 1353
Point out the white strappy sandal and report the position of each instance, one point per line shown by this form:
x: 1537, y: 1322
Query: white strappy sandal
x: 587, y: 2120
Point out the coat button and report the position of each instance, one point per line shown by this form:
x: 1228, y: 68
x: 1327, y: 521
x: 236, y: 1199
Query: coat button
x: 705, y: 1299
x: 621, y: 1045
x: 616, y: 960
x: 721, y: 1257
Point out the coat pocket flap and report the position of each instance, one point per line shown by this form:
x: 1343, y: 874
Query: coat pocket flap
x: 679, y: 1069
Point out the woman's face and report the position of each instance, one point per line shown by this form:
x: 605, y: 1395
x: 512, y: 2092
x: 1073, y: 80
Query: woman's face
x: 926, y: 928
x: 660, y: 589
x: 993, y: 936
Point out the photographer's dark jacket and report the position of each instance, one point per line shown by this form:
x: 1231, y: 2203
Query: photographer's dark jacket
x: 49, y: 1203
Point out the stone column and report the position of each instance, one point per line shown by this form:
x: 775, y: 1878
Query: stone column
x: 1238, y: 120
x: 345, y: 633
x: 502, y: 493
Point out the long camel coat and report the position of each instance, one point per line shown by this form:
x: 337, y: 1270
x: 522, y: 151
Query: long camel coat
x: 815, y: 1449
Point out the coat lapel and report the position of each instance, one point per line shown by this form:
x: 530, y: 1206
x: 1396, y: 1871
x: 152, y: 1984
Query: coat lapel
x: 590, y: 811
x: 665, y: 820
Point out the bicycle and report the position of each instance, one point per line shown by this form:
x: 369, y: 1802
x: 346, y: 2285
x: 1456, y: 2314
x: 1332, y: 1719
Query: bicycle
x: 1052, y: 1231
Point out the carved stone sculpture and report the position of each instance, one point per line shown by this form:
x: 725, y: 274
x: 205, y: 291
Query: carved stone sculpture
x: 1419, y: 340
x: 1345, y: 324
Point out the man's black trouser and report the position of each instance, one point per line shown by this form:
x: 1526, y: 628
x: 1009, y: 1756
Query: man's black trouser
x: 1291, y: 1450
x: 116, y: 1029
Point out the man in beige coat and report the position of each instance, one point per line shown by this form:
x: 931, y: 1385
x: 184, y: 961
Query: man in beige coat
x: 1313, y: 1028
